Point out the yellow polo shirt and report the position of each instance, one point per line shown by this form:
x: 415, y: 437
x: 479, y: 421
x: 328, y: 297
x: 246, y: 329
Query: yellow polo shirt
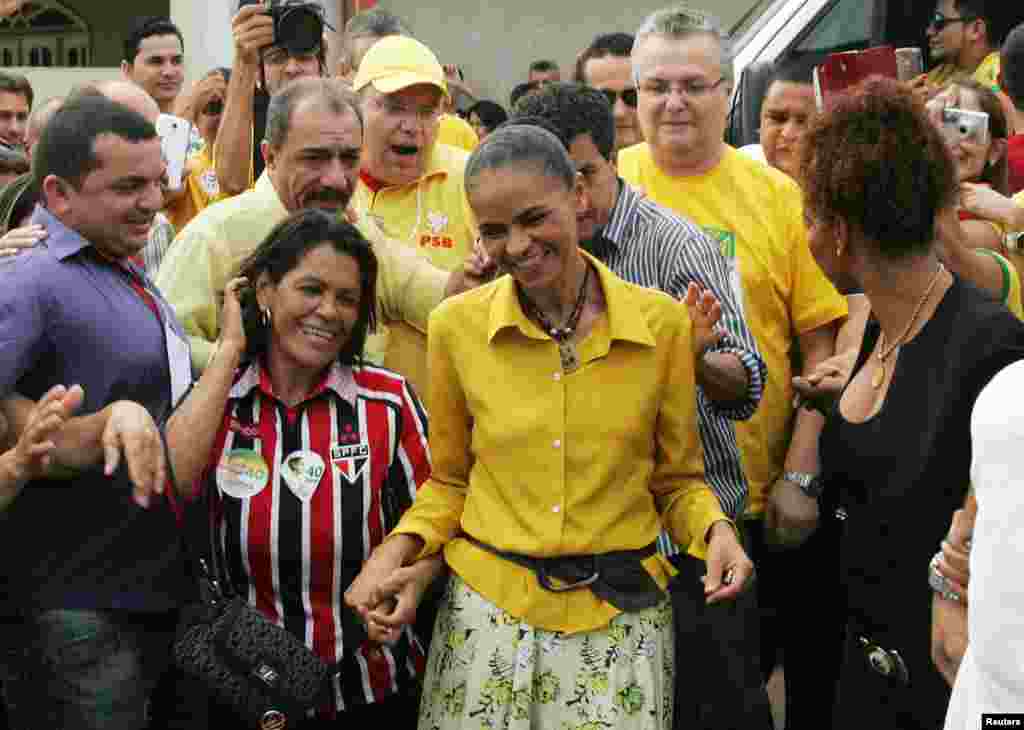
x: 536, y: 461
x: 987, y: 73
x: 457, y: 132
x: 756, y: 213
x: 207, y: 254
x: 431, y: 215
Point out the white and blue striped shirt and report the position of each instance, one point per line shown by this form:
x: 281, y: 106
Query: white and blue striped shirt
x: 649, y: 245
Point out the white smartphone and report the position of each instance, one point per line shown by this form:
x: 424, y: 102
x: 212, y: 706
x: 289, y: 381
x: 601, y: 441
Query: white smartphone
x: 175, y: 133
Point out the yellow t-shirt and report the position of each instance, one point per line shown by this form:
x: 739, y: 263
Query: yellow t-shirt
x: 457, y: 132
x: 986, y: 74
x: 201, y: 189
x: 756, y: 213
x: 431, y: 215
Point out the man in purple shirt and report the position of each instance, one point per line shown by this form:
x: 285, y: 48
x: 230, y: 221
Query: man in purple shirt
x: 91, y: 581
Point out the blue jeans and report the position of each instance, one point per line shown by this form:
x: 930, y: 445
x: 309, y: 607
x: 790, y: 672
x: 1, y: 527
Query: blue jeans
x: 83, y: 668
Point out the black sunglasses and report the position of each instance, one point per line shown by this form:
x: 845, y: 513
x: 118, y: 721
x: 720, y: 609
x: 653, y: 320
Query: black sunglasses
x: 939, y: 21
x: 214, y: 108
x: 628, y: 96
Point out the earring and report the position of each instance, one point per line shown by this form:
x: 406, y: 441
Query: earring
x: 839, y: 251
x: 265, y: 317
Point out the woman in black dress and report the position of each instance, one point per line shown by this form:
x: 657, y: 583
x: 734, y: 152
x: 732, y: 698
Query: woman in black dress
x: 896, y: 449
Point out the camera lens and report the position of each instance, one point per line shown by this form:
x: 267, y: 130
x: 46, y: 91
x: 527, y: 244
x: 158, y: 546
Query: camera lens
x: 300, y: 30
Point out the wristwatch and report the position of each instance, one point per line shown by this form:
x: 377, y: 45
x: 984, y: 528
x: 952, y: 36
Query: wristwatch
x: 810, y: 484
x: 1014, y: 241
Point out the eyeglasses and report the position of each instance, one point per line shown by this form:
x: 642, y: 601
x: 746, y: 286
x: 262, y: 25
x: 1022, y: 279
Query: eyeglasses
x: 279, y: 56
x: 396, y: 108
x: 628, y: 96
x: 939, y: 21
x: 214, y: 108
x: 690, y: 87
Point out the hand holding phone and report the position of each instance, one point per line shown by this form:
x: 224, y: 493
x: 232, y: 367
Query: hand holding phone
x: 175, y: 133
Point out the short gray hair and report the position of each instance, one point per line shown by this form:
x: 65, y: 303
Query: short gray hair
x: 375, y: 23
x: 680, y: 22
x: 332, y: 93
x: 521, y: 144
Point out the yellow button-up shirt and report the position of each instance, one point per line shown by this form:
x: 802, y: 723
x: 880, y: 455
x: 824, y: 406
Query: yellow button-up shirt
x: 207, y: 254
x: 540, y: 462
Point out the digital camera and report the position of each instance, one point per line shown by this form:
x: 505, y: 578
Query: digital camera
x: 964, y: 125
x: 298, y: 25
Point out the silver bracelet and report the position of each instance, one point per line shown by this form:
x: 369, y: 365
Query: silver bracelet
x: 939, y: 583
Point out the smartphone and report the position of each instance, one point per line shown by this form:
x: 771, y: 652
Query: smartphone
x: 964, y: 125
x: 175, y: 133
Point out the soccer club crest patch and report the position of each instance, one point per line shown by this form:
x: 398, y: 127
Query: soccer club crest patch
x: 350, y: 460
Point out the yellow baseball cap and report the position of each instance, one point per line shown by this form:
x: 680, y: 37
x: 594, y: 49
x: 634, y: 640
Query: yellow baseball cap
x: 398, y: 62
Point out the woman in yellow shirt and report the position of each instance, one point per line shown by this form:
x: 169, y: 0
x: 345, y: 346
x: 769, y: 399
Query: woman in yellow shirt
x: 563, y: 437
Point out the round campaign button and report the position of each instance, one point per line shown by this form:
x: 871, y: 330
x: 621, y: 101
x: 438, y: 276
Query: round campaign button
x: 242, y: 473
x: 302, y: 471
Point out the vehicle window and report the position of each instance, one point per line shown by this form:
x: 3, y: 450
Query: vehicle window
x: 847, y: 24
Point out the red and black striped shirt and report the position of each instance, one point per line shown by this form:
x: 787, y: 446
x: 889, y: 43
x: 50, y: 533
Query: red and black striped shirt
x: 294, y: 545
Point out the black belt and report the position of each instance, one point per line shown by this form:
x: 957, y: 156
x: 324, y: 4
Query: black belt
x: 617, y: 577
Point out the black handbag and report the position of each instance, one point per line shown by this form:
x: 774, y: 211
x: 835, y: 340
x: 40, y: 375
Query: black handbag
x: 267, y: 675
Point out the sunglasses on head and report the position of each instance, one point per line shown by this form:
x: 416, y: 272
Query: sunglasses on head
x: 628, y: 96
x: 214, y: 108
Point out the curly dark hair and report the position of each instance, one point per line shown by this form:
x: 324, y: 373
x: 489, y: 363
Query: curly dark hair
x: 284, y: 248
x: 875, y: 161
x: 575, y: 110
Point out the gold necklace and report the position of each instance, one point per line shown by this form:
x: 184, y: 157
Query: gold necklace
x: 883, y: 354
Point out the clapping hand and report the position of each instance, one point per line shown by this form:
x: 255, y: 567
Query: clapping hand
x: 35, y: 446
x: 705, y: 314
x: 130, y: 430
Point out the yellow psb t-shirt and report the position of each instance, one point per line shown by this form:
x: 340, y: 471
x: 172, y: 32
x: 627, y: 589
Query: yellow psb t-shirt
x: 457, y: 132
x: 756, y: 213
x: 431, y: 214
x: 987, y: 73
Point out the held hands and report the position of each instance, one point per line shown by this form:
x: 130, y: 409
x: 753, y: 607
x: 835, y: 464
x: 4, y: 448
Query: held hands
x: 385, y: 594
x: 32, y: 453
x: 790, y: 515
x: 10, y: 7
x: 729, y: 568
x: 819, y: 389
x: 252, y: 30
x: 705, y: 314
x: 954, y: 560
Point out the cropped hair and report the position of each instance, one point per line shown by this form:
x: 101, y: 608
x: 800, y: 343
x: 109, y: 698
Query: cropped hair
x: 17, y: 84
x: 67, y: 147
x: 875, y: 161
x: 619, y: 45
x: 491, y: 113
x: 682, y: 23
x: 375, y: 23
x: 521, y: 90
x: 330, y: 92
x: 1012, y: 66
x: 521, y: 144
x: 146, y: 27
x: 575, y: 110
x: 543, y: 65
x: 283, y: 250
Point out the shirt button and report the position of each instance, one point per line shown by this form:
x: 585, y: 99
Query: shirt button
x: 557, y: 444
x: 556, y: 509
x: 557, y: 376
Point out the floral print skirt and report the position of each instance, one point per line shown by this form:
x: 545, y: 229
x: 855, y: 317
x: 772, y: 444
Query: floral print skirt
x: 489, y: 670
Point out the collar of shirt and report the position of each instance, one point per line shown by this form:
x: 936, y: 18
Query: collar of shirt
x: 624, y: 322
x: 63, y: 241
x: 338, y: 378
x: 435, y: 168
x: 264, y: 188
